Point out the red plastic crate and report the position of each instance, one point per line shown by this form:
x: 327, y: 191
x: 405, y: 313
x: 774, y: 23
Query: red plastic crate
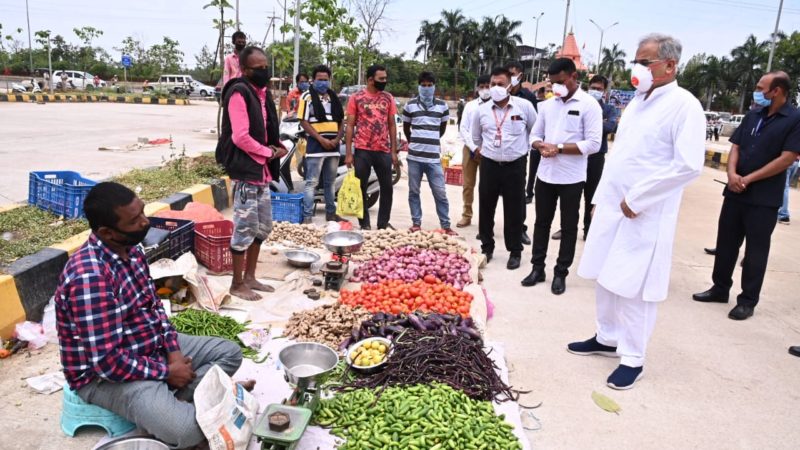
x: 212, y: 245
x: 454, y: 175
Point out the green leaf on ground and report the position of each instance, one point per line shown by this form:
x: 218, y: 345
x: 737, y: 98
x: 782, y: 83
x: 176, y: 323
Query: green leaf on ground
x: 605, y: 403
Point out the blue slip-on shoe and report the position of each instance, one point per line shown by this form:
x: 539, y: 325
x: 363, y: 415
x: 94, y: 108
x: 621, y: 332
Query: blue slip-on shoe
x: 592, y: 347
x: 623, y: 377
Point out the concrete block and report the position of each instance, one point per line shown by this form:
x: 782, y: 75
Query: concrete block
x: 36, y: 277
x: 177, y: 201
x: 11, y: 310
x: 152, y: 208
x: 201, y: 193
x: 72, y: 244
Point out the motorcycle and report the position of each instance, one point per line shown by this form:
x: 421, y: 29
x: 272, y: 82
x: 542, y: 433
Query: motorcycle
x: 19, y: 88
x: 291, y: 133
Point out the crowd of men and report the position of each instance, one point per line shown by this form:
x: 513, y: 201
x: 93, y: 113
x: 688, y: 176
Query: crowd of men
x: 120, y: 352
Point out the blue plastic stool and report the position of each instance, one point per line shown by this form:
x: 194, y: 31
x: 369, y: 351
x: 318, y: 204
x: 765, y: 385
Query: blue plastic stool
x: 77, y: 413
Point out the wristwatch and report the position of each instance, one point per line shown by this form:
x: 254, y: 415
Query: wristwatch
x: 560, y: 148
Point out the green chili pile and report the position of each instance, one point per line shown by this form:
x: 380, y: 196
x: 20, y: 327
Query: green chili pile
x: 198, y: 322
x: 434, y: 417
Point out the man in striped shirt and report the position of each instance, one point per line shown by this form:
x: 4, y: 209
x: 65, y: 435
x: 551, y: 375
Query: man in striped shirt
x: 424, y: 123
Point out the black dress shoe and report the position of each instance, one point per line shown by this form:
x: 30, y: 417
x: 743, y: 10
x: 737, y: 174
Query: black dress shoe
x: 559, y: 285
x: 478, y: 237
x: 556, y: 236
x: 528, y: 200
x: 740, y: 312
x: 513, y: 262
x: 489, y: 256
x: 525, y: 239
x: 710, y: 296
x: 710, y: 251
x: 794, y: 350
x: 536, y: 276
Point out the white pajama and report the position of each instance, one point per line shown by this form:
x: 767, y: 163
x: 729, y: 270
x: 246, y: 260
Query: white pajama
x: 625, y: 323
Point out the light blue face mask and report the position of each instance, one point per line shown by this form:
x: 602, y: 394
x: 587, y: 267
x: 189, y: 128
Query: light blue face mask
x: 760, y: 100
x: 302, y: 86
x: 426, y: 94
x: 322, y: 86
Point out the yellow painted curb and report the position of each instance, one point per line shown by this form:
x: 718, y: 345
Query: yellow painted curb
x: 5, y: 208
x: 11, y: 310
x: 201, y: 193
x: 72, y: 244
x: 152, y: 208
x: 229, y: 188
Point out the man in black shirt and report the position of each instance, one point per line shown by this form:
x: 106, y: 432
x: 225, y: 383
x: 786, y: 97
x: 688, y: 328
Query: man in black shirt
x: 517, y: 74
x: 764, y: 146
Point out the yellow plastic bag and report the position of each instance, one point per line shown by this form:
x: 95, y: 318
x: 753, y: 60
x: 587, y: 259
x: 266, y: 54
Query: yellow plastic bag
x: 349, y: 201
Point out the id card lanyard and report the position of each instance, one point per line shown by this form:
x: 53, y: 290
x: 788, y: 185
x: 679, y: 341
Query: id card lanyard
x: 498, y: 137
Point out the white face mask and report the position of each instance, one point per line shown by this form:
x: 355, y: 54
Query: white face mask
x: 560, y: 90
x: 499, y: 93
x: 641, y: 78
x: 515, y: 80
x: 484, y: 94
x: 597, y: 95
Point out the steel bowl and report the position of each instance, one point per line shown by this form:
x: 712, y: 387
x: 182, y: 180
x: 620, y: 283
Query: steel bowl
x: 301, y: 258
x: 134, y: 443
x: 304, y: 362
x: 375, y: 367
x: 343, y: 242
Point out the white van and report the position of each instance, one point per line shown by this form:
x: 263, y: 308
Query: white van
x: 173, y: 83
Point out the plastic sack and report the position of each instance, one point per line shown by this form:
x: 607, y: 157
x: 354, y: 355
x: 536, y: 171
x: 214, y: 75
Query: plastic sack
x: 31, y: 332
x: 49, y: 322
x: 225, y: 411
x: 350, y: 202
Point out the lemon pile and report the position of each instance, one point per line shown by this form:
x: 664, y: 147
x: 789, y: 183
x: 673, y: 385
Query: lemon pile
x: 369, y: 354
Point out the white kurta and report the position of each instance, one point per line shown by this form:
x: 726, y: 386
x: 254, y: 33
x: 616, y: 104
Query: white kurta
x: 659, y: 148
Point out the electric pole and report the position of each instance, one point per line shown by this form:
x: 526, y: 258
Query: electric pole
x: 602, y: 32
x: 774, y: 37
x: 296, y: 39
x: 566, y: 20
x: 536, y: 50
x: 237, y: 15
x: 30, y: 47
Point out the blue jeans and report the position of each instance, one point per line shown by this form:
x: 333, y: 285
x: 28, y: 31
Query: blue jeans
x: 314, y: 167
x: 435, y: 174
x: 783, y: 213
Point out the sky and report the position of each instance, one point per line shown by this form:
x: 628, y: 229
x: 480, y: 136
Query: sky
x: 703, y: 26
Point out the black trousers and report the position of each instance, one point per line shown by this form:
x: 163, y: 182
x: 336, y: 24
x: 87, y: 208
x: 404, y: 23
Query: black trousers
x: 547, y: 198
x: 594, y: 170
x: 533, y: 166
x: 740, y: 221
x: 506, y: 179
x: 381, y: 162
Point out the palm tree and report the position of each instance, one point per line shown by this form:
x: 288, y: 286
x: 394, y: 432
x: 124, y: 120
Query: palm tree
x: 452, y: 40
x: 712, y: 74
x: 429, y: 33
x: 506, y: 38
x: 747, y: 64
x: 613, y: 61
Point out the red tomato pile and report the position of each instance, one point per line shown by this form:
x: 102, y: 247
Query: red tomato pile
x: 395, y: 296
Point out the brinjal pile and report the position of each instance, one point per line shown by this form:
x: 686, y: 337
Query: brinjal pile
x: 392, y: 325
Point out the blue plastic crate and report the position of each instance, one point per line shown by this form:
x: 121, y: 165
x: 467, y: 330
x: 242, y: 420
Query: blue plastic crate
x: 287, y: 207
x: 181, y: 234
x: 61, y: 193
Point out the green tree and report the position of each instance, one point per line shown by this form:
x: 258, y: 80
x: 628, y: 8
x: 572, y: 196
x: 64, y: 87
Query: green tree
x: 612, y: 62
x: 87, y: 53
x: 712, y: 75
x: 220, y: 24
x: 748, y: 61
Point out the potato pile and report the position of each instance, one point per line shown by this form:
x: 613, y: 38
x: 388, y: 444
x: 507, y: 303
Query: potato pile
x: 327, y: 324
x: 306, y: 235
x: 376, y: 242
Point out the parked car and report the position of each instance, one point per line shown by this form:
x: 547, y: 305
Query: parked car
x: 178, y: 84
x: 203, y: 90
x: 76, y: 79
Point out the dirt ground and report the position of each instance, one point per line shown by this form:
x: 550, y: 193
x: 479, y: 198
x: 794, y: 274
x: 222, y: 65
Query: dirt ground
x: 709, y: 382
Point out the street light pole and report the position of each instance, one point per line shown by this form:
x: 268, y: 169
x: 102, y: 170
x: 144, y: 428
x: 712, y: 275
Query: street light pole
x: 49, y: 64
x: 237, y: 15
x: 774, y: 37
x: 30, y: 47
x: 536, y: 50
x: 566, y: 20
x: 602, y: 32
x: 296, y: 39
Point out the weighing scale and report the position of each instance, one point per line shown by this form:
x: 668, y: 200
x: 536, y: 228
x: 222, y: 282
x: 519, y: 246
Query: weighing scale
x: 342, y: 244
x: 303, y: 364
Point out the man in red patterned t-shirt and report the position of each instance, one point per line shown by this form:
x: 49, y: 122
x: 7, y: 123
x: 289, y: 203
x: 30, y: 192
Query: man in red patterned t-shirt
x: 371, y: 112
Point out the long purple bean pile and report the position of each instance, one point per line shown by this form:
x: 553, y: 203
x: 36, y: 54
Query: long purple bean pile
x: 422, y: 357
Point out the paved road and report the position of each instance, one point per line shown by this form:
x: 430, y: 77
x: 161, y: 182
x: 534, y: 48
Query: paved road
x: 66, y: 136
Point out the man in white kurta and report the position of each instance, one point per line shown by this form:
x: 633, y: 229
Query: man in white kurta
x: 658, y: 150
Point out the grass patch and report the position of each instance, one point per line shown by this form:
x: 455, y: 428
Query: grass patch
x: 176, y: 174
x: 28, y: 229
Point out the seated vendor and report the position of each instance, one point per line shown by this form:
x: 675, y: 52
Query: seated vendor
x: 118, y: 349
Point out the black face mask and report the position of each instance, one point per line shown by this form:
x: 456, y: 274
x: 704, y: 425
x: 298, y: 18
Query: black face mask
x: 380, y: 85
x: 132, y: 238
x: 239, y: 47
x: 260, y: 77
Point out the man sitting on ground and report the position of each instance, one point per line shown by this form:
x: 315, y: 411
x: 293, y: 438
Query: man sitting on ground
x: 118, y: 349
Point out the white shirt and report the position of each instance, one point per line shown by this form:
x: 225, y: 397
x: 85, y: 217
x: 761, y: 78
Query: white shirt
x: 466, y: 122
x: 578, y: 121
x: 514, y: 129
x: 659, y: 149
